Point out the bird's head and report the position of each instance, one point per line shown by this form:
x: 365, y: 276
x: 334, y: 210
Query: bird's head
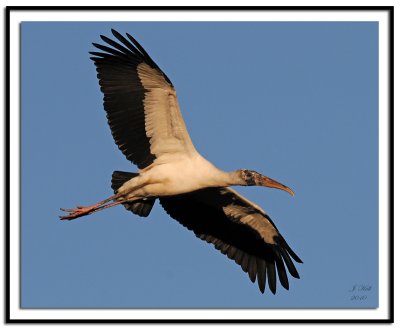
x: 251, y: 178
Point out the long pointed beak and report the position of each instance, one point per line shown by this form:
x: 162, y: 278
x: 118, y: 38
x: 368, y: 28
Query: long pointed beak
x: 269, y: 182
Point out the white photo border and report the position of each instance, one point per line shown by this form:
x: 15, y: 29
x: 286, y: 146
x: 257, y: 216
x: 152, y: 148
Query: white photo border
x: 384, y: 15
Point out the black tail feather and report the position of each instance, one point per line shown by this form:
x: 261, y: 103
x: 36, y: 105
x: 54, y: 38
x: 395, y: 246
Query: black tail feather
x: 141, y: 207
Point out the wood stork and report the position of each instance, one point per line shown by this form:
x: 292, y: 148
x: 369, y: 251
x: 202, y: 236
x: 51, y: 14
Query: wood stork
x: 147, y: 126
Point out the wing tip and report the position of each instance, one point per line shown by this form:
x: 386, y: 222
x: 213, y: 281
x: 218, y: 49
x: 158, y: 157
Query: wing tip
x: 296, y: 275
x: 279, y: 240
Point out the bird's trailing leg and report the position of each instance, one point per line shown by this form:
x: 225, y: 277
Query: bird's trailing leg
x: 84, y: 211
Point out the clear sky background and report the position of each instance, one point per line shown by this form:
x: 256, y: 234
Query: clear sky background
x: 295, y: 101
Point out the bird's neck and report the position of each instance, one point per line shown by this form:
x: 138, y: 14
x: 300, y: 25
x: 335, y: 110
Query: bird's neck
x: 231, y: 178
x: 211, y: 176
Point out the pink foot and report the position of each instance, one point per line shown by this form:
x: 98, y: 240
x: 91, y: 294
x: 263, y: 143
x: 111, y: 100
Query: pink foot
x: 78, y: 208
x: 77, y: 212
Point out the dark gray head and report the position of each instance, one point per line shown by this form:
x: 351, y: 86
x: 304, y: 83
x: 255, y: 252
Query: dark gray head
x: 252, y: 177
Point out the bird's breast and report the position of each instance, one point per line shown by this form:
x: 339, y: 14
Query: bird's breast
x: 182, y: 176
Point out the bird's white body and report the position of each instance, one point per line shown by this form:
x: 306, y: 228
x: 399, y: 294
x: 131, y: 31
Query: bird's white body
x: 171, y: 178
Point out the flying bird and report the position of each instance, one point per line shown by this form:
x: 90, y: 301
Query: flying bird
x: 147, y: 126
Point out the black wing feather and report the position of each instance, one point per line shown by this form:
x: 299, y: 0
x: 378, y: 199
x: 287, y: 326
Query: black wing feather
x: 124, y: 94
x: 271, y: 276
x: 203, y: 213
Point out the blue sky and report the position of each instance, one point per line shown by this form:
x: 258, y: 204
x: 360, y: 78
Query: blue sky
x: 295, y: 101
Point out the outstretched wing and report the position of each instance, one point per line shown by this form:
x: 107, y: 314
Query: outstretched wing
x: 239, y: 229
x: 140, y: 101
